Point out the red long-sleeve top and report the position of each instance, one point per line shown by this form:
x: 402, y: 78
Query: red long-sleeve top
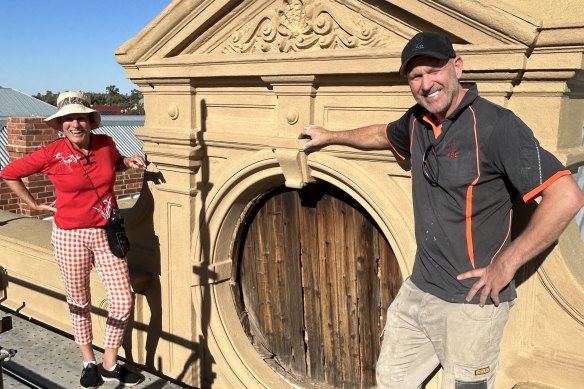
x: 84, y: 185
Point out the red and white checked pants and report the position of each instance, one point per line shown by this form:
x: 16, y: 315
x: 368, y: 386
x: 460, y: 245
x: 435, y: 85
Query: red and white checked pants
x: 76, y: 251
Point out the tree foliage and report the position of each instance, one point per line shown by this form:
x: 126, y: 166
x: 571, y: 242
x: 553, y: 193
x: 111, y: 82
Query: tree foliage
x: 131, y: 103
x: 49, y: 97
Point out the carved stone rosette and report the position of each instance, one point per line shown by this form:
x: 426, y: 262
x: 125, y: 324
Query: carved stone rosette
x: 301, y: 25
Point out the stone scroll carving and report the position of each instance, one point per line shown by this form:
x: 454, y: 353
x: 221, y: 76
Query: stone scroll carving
x: 301, y: 25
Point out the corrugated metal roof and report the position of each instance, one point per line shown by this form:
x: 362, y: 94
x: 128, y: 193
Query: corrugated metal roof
x: 15, y: 103
x: 122, y: 120
x: 3, y: 143
x: 125, y: 138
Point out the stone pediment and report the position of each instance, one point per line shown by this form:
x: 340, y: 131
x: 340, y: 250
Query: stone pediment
x: 296, y: 25
x: 196, y: 30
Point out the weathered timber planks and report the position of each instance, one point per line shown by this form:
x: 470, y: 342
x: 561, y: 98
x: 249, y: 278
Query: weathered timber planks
x: 316, y: 277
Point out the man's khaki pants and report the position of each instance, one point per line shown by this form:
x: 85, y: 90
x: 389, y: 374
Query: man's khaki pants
x: 423, y: 331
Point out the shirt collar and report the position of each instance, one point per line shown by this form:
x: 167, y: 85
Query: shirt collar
x: 469, y: 97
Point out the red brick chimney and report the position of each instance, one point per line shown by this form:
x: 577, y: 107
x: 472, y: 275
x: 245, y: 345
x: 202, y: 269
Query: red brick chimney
x: 26, y: 134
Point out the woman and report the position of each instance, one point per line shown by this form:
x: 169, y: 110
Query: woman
x: 82, y: 167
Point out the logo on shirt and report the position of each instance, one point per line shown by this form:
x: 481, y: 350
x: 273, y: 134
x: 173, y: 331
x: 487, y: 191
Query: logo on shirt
x: 67, y: 160
x: 105, y: 208
x: 452, y: 149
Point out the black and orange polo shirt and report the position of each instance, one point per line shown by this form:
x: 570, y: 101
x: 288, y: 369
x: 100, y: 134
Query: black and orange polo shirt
x: 476, y: 165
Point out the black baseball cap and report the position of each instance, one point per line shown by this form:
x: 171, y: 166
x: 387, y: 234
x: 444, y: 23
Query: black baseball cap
x: 431, y: 44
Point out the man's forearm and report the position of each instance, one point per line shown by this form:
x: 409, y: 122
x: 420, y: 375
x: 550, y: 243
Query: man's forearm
x: 560, y: 203
x: 366, y: 138
x: 369, y: 137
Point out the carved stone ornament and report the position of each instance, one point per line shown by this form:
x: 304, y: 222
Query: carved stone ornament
x: 301, y: 25
x: 292, y: 117
x: 173, y: 111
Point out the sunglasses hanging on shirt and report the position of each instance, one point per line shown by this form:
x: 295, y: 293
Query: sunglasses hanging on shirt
x: 430, y: 164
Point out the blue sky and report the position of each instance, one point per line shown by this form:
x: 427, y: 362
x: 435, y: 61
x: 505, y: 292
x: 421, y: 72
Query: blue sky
x: 60, y: 45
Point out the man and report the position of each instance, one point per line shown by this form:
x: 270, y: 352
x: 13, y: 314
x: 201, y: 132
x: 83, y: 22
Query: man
x: 470, y: 159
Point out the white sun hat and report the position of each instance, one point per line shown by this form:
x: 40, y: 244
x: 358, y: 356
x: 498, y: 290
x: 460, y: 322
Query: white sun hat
x: 73, y: 102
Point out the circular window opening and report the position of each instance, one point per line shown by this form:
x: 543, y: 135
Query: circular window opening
x: 313, y: 279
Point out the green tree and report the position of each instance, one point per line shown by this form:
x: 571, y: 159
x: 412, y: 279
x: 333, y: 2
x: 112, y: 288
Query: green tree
x: 113, y: 90
x: 131, y: 103
x: 49, y: 97
x: 136, y: 102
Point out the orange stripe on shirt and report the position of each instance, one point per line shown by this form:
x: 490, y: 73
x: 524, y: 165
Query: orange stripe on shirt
x: 507, y: 236
x: 537, y: 191
x: 412, y: 135
x: 469, y: 241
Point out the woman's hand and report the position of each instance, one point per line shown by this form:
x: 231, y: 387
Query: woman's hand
x: 135, y: 162
x: 17, y: 186
x: 46, y: 207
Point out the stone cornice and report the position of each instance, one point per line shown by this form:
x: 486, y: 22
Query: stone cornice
x: 231, y: 39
